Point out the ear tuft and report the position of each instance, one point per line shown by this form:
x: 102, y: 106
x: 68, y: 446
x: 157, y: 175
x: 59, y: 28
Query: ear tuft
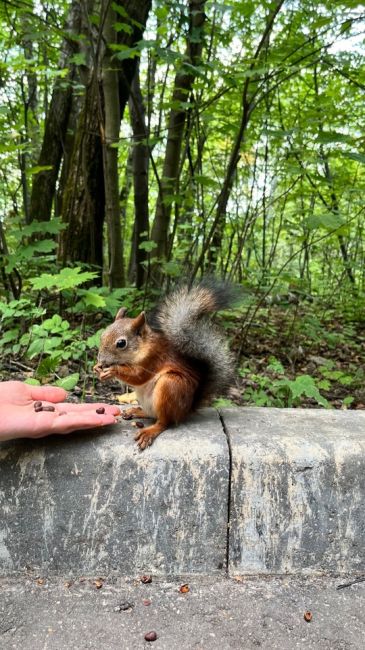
x: 139, y: 321
x: 121, y: 313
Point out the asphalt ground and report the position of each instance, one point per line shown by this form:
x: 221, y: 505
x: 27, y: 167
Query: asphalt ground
x: 107, y: 613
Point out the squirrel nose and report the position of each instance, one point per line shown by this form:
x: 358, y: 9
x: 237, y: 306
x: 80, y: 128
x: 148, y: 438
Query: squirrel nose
x: 104, y: 361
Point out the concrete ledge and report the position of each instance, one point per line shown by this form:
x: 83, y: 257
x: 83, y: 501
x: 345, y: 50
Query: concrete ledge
x: 95, y: 504
x: 297, y: 491
x: 290, y: 486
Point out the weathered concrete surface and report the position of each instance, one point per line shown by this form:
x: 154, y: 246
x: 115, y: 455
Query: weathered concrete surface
x: 94, y: 503
x: 217, y: 614
x: 297, y: 491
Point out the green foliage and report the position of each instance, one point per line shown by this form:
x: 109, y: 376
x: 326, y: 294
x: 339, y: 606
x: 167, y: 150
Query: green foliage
x: 291, y: 230
x: 302, y: 386
x: 272, y: 389
x: 221, y: 403
x: 67, y: 278
x: 68, y: 383
x: 52, y: 341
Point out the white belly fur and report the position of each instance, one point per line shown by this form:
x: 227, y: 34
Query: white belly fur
x: 144, y: 395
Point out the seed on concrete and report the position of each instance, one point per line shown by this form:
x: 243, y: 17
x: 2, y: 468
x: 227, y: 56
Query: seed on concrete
x: 146, y: 579
x: 150, y: 636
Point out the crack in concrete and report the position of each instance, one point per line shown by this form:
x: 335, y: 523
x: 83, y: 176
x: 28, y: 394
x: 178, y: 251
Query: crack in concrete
x: 229, y: 495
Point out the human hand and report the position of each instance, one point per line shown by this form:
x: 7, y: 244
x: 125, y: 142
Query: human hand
x: 18, y: 419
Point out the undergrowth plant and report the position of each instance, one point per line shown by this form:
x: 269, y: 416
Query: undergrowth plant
x: 274, y: 389
x: 59, y: 322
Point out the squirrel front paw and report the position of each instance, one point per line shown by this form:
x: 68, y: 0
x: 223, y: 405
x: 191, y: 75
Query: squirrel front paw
x: 104, y: 373
x: 98, y: 368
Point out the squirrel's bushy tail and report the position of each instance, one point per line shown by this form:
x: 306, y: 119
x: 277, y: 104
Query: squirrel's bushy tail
x: 183, y: 318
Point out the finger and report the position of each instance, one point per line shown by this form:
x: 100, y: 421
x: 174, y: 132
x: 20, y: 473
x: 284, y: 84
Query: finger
x: 49, y: 393
x: 69, y: 407
x: 68, y: 422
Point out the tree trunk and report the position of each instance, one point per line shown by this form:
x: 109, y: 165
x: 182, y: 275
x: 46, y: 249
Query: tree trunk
x: 84, y: 197
x: 182, y: 87
x: 83, y: 201
x: 110, y: 151
x: 140, y: 164
x: 28, y: 155
x: 44, y: 183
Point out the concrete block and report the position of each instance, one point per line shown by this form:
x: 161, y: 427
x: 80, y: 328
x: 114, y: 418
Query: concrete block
x: 91, y: 503
x: 297, y: 491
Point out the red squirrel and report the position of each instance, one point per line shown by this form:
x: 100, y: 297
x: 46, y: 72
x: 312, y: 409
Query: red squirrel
x: 176, y: 362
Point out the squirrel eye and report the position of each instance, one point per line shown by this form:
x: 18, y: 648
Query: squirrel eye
x: 122, y: 343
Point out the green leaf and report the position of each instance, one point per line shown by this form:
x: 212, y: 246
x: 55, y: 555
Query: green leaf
x: 324, y: 384
x: 221, y: 402
x: 327, y: 220
x: 302, y: 385
x: 206, y: 181
x: 348, y: 400
x: 92, y: 299
x: 123, y: 52
x: 36, y: 348
x: 52, y: 227
x: 305, y: 385
x: 93, y: 341
x: 276, y: 366
x: 39, y: 168
x: 68, y: 383
x: 148, y: 246
x: 32, y: 381
x: 68, y: 278
x: 47, y: 366
x: 119, y: 9
x: 123, y: 27
x: 79, y: 58
x: 10, y: 336
x: 353, y: 155
x: 346, y: 380
x: 326, y: 137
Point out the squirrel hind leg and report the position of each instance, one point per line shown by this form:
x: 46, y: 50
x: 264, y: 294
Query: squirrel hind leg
x: 172, y: 402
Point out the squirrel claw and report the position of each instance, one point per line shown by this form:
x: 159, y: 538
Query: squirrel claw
x: 108, y: 373
x: 98, y: 368
x: 145, y: 437
x: 143, y: 441
x: 103, y: 374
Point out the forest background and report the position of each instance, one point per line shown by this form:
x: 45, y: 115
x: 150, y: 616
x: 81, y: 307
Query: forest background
x: 143, y: 143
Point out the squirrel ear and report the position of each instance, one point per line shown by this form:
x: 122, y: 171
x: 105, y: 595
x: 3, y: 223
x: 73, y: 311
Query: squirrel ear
x: 139, y: 321
x: 121, y: 313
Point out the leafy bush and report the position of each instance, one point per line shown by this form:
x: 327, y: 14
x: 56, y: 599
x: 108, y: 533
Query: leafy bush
x: 278, y: 391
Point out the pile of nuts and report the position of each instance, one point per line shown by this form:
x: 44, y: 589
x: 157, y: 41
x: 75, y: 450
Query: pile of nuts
x: 38, y: 406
